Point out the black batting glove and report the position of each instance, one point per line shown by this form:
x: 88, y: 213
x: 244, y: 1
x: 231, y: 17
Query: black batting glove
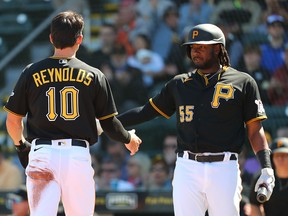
x: 23, y: 152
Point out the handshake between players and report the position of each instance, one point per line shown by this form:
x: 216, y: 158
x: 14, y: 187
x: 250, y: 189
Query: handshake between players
x: 132, y: 146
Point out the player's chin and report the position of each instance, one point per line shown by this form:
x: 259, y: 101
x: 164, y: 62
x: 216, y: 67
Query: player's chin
x: 197, y: 62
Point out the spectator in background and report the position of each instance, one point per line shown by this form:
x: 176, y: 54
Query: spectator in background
x: 126, y: 81
x: 159, y: 175
x: 246, y: 12
x: 233, y: 34
x: 167, y: 32
x: 252, y: 65
x: 150, y: 63
x: 101, y: 57
x: 169, y: 152
x: 126, y: 24
x: 138, y: 168
x: 278, y: 89
x: 150, y: 13
x: 151, y: 8
x: 11, y: 176
x: 166, y: 42
x: 18, y: 201
x: 194, y: 12
x: 277, y: 204
x: 272, y: 7
x: 110, y: 177
x: 116, y: 152
x: 272, y: 52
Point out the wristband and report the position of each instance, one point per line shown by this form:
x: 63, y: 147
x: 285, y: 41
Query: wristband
x: 264, y: 158
x: 21, y: 147
x: 128, y: 138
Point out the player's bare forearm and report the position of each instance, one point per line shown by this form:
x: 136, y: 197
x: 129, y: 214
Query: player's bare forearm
x: 15, y: 127
x: 257, y: 136
x: 260, y: 146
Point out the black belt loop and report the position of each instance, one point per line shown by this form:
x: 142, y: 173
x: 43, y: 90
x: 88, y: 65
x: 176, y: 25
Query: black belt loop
x: 206, y: 158
x: 74, y: 142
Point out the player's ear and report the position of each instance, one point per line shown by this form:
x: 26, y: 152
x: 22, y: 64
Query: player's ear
x: 50, y: 37
x: 79, y: 39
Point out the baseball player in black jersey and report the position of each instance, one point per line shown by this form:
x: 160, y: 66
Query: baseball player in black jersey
x: 62, y: 97
x: 215, y: 105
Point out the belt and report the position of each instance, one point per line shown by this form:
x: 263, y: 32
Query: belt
x: 74, y: 142
x: 207, y: 158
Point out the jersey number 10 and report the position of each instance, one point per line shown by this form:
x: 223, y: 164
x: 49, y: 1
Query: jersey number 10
x: 69, y: 103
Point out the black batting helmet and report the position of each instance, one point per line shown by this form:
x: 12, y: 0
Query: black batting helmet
x: 204, y: 34
x: 280, y: 145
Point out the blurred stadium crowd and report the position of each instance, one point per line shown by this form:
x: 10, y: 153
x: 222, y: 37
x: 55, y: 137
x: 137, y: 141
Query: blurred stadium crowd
x: 137, y: 45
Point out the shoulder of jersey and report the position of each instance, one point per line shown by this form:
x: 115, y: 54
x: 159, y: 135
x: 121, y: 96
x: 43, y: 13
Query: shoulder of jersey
x: 238, y: 73
x: 33, y: 66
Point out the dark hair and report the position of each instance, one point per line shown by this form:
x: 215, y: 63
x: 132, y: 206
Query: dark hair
x: 146, y: 38
x: 65, y: 28
x: 224, y: 59
x: 172, y: 9
x: 252, y: 48
x: 119, y: 49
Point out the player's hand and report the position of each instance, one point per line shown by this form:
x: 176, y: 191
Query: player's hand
x: 99, y: 128
x: 133, y: 145
x: 266, y: 178
x: 23, y: 150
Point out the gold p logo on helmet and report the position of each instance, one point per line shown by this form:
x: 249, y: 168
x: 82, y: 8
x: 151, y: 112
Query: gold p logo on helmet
x: 280, y: 143
x: 195, y: 34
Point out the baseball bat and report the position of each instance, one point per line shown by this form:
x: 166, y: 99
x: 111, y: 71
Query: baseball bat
x: 262, y: 194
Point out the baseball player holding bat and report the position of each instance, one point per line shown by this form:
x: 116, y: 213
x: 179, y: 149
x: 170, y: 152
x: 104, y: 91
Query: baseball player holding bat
x: 215, y: 107
x: 62, y: 97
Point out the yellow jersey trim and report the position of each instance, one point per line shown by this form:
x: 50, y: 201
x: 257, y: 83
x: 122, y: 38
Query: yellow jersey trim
x: 261, y: 118
x: 158, y: 110
x: 61, y: 57
x: 7, y: 110
x: 108, y: 116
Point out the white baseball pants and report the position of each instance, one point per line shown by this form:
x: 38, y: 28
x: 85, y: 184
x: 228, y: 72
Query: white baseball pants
x: 60, y: 171
x: 198, y: 187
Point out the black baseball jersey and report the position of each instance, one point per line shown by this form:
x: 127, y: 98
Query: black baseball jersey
x: 211, y: 112
x: 62, y: 97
